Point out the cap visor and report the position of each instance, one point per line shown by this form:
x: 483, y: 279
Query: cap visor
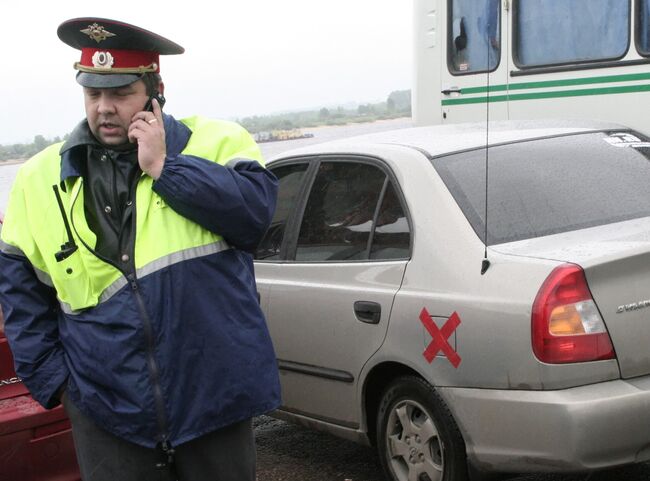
x: 104, y: 81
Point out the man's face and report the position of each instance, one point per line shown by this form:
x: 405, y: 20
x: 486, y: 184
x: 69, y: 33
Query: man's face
x: 109, y: 111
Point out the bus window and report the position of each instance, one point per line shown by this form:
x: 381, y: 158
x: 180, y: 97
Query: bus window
x: 474, y: 31
x: 643, y: 29
x: 575, y: 31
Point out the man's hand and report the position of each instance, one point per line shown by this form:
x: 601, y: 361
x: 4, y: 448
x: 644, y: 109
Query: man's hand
x: 148, y: 131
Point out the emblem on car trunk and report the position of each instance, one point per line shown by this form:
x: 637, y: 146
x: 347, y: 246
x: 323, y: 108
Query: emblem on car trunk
x: 635, y: 306
x: 11, y: 380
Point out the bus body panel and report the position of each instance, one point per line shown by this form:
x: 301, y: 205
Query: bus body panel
x: 607, y: 89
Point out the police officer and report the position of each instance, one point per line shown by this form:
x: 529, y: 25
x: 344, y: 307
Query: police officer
x: 126, y: 276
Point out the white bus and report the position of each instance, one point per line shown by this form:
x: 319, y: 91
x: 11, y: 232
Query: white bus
x: 544, y: 59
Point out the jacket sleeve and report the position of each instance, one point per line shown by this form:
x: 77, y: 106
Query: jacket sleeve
x: 30, y: 306
x: 30, y: 310
x: 234, y: 197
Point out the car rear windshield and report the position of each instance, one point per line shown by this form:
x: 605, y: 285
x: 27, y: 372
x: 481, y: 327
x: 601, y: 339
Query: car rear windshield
x: 551, y: 185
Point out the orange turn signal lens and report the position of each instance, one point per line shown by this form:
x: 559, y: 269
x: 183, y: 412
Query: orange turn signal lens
x: 565, y: 321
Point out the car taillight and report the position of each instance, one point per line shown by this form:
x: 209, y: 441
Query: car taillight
x: 566, y: 324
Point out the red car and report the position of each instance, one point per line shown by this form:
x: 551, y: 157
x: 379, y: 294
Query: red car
x: 35, y: 444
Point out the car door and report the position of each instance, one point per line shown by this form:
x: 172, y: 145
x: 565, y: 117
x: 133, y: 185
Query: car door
x: 346, y: 242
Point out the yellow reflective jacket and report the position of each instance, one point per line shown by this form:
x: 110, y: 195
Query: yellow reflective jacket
x: 182, y: 347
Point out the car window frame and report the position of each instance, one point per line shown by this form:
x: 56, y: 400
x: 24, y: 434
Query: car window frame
x: 294, y: 221
x: 306, y: 182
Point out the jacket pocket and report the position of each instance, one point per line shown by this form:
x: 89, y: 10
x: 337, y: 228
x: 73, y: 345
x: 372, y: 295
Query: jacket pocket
x: 72, y: 283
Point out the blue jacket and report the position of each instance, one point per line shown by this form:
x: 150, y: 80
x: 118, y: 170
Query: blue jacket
x: 182, y: 348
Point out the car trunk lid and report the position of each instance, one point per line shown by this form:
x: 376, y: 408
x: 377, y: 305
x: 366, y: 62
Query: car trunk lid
x: 616, y: 262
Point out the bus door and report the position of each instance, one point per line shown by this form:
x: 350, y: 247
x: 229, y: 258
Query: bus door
x: 476, y: 45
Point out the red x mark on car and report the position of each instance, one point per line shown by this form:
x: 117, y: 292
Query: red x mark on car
x: 439, y: 337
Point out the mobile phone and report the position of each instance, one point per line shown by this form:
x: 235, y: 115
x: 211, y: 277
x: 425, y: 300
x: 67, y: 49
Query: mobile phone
x: 148, y: 107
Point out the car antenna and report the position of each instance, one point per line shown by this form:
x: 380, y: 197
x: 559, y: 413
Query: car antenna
x: 485, y: 265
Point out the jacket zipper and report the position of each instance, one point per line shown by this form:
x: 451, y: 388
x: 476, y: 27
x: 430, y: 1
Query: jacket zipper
x: 154, y: 372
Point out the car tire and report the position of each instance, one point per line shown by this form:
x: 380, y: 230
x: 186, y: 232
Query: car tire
x: 417, y: 437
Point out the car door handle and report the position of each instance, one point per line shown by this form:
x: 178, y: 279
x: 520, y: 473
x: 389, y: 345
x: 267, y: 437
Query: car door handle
x: 452, y: 90
x: 367, y: 311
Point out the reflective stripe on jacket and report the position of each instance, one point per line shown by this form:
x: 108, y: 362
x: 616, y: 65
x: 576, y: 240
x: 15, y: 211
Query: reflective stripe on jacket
x: 181, y: 349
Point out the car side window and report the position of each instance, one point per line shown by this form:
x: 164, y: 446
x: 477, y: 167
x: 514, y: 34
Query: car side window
x: 290, y: 180
x: 339, y: 215
x: 392, y: 236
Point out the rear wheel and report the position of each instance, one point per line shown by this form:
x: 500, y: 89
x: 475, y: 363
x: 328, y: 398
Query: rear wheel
x: 418, y: 439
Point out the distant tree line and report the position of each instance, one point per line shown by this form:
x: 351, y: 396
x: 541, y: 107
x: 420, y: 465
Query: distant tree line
x: 25, y: 151
x: 398, y: 104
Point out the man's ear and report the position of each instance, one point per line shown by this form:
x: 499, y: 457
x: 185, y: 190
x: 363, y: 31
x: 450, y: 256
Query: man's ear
x: 161, y: 88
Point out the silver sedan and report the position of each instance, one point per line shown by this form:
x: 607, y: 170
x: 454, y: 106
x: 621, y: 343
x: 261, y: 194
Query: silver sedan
x: 470, y: 302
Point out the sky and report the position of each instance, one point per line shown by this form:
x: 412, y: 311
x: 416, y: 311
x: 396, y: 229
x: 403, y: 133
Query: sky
x: 242, y: 57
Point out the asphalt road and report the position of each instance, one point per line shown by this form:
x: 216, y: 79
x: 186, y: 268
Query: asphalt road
x: 287, y: 452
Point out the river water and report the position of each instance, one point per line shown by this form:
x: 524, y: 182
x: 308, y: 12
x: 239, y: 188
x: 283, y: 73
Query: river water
x: 269, y: 149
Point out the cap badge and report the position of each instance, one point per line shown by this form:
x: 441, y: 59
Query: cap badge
x: 102, y: 60
x: 97, y: 32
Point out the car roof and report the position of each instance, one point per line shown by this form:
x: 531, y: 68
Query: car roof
x: 439, y: 140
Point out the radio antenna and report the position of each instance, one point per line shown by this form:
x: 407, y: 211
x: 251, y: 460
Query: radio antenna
x: 485, y: 265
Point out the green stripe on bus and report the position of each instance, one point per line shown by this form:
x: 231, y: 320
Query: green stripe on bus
x: 549, y: 95
x: 559, y: 83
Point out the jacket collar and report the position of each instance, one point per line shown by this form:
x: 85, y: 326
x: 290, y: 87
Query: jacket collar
x: 74, y: 149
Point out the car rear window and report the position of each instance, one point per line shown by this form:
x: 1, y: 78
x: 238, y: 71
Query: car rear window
x: 551, y: 185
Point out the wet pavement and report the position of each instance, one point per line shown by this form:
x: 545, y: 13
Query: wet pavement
x: 288, y: 452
